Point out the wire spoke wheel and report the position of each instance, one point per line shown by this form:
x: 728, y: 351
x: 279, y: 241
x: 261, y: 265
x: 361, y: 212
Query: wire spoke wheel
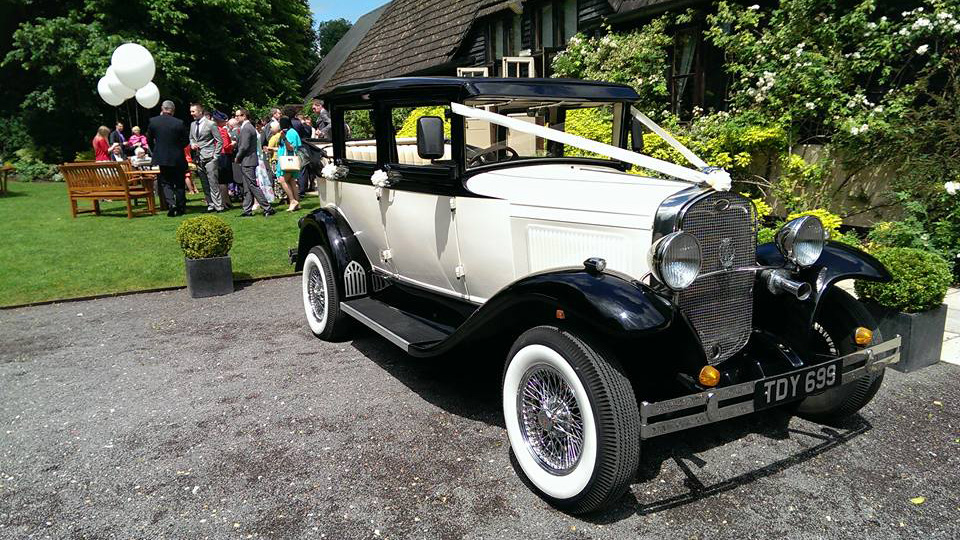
x: 321, y: 296
x: 572, y: 420
x: 550, y: 419
x: 318, y: 293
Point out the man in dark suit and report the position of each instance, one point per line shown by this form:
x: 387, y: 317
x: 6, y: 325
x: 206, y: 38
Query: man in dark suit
x: 246, y: 156
x: 167, y: 137
x: 117, y: 137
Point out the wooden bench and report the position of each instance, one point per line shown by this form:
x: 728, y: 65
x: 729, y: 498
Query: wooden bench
x: 106, y: 180
x: 4, y: 172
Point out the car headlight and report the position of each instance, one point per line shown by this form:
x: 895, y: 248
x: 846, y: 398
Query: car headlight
x: 675, y: 260
x: 801, y: 241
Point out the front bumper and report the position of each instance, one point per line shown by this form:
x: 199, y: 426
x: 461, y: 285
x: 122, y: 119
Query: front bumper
x: 704, y: 408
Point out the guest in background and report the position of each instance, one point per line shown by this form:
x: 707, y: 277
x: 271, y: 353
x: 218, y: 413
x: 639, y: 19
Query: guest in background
x: 168, y: 136
x: 188, y: 176
x: 246, y: 156
x: 117, y: 136
x: 206, y: 144
x: 275, y: 115
x: 137, y: 140
x: 236, y: 188
x: 308, y: 124
x: 101, y: 148
x: 116, y: 153
x: 287, y: 146
x: 322, y: 117
x: 225, y: 159
x: 140, y: 158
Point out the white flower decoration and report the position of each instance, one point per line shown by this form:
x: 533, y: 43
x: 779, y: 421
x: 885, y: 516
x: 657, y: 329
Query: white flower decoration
x: 719, y: 179
x: 922, y: 49
x: 329, y: 171
x: 952, y: 187
x: 380, y: 179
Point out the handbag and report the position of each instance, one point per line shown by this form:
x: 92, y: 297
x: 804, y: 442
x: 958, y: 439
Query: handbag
x: 292, y: 161
x: 289, y: 163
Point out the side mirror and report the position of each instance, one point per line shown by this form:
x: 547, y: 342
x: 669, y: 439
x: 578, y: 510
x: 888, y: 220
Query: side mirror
x: 636, y: 135
x: 430, y: 143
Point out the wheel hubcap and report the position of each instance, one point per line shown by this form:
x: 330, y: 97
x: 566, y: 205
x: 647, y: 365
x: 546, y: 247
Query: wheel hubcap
x: 550, y: 419
x: 318, y: 293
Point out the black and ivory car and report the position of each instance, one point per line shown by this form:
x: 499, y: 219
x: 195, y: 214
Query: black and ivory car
x: 626, y: 307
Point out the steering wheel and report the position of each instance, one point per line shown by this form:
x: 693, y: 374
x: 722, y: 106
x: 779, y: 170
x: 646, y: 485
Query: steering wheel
x: 488, y: 155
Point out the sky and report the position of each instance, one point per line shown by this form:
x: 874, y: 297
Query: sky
x: 324, y: 10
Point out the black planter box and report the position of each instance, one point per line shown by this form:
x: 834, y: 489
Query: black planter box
x: 922, y: 334
x: 209, y: 277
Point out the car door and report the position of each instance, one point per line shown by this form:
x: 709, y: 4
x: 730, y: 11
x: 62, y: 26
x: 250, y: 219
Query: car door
x: 420, y: 210
x: 355, y: 195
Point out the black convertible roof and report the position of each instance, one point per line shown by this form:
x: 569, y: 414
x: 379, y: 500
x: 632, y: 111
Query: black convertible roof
x: 462, y: 88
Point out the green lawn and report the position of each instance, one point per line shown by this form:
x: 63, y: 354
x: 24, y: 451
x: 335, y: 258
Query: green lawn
x: 48, y: 255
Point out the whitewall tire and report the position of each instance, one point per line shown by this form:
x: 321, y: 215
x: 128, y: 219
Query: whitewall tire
x: 321, y: 296
x: 572, y: 420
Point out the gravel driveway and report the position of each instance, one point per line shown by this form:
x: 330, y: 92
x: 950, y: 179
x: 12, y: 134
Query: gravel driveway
x: 157, y: 416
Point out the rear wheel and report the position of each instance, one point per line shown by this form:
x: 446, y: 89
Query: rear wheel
x: 572, y: 420
x: 836, y: 323
x: 321, y: 297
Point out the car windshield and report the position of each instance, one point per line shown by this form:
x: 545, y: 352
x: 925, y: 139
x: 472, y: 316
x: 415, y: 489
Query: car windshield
x: 488, y: 143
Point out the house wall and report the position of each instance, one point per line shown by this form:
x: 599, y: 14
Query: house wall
x: 863, y: 194
x: 591, y: 12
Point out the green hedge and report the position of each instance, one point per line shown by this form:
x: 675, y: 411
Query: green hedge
x: 920, y: 280
x: 204, y: 237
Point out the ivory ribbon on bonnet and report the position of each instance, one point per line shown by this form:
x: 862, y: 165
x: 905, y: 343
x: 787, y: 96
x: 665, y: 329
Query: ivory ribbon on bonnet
x: 716, y: 178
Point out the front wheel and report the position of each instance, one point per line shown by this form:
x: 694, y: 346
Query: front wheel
x: 835, y: 326
x: 572, y: 420
x: 321, y: 297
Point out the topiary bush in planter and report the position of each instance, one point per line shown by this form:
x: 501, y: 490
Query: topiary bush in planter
x: 206, y: 241
x: 911, y: 304
x: 205, y: 237
x: 920, y: 280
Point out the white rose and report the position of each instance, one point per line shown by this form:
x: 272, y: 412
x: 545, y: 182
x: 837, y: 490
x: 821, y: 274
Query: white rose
x: 952, y: 187
x: 754, y: 7
x: 379, y: 178
x: 922, y: 49
x: 811, y: 105
x: 329, y: 171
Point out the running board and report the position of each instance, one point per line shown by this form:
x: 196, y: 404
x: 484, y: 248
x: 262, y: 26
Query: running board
x: 402, y: 329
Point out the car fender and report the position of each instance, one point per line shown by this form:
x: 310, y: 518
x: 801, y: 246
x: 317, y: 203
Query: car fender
x: 837, y: 262
x: 609, y: 305
x: 326, y: 227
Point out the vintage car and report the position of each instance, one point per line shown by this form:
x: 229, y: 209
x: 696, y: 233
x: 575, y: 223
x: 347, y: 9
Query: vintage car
x: 459, y: 213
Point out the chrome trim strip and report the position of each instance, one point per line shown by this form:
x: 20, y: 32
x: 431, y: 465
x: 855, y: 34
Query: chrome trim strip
x: 376, y: 327
x: 711, y: 398
x: 757, y: 268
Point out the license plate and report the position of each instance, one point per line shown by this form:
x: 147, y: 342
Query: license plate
x: 796, y: 385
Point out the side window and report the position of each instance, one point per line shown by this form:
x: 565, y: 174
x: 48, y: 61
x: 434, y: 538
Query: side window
x: 405, y: 133
x: 361, y: 140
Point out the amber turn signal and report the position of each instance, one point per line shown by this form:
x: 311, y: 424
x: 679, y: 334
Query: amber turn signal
x: 863, y: 336
x: 709, y: 376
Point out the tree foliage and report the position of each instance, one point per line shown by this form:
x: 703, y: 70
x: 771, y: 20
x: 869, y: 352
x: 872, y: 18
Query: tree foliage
x: 329, y: 34
x: 219, y: 52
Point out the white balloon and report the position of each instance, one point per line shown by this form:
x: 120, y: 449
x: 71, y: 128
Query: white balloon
x: 134, y: 65
x: 118, y: 88
x: 106, y: 94
x: 148, y: 96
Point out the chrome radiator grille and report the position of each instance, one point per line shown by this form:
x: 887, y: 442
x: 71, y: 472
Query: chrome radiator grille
x: 720, y: 306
